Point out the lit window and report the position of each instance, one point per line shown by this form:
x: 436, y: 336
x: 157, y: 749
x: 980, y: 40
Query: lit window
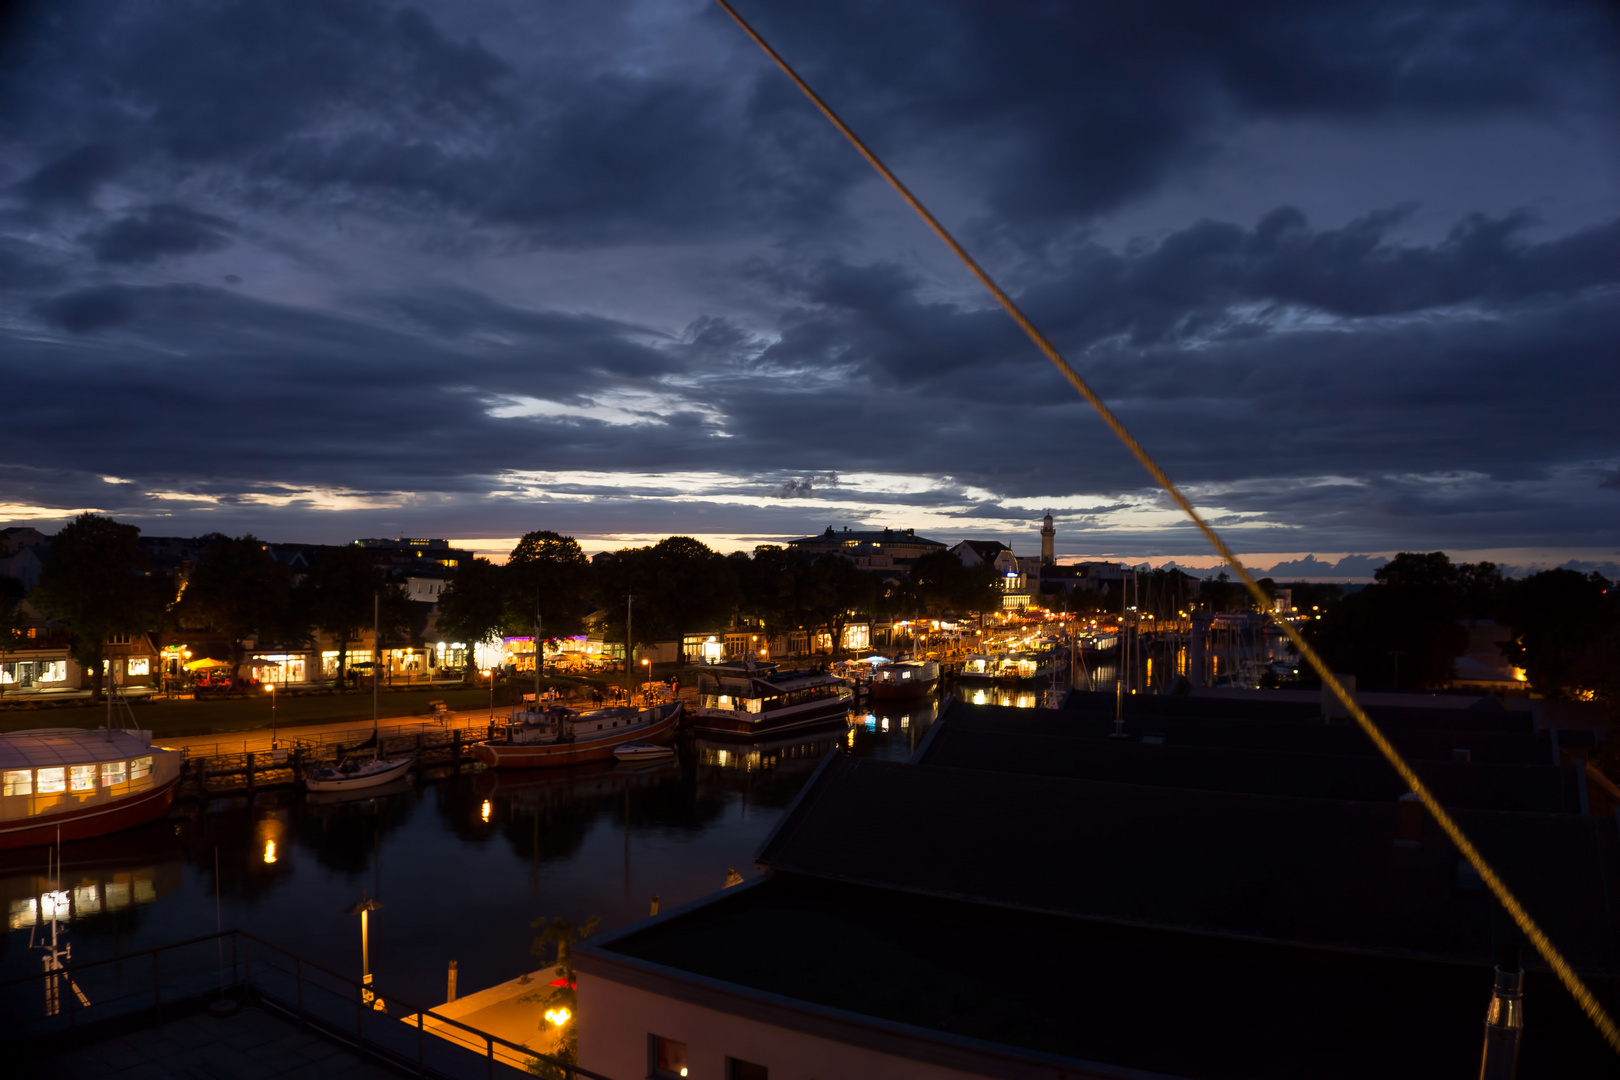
x: 139, y: 665
x: 52, y: 780
x: 141, y: 766
x: 18, y: 782
x: 84, y: 777
x: 114, y: 772
x: 668, y: 1056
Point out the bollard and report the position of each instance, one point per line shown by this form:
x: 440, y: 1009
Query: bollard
x: 451, y: 996
x: 654, y: 905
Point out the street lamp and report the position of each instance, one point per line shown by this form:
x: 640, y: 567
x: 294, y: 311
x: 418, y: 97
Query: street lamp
x: 363, y: 909
x: 271, y: 687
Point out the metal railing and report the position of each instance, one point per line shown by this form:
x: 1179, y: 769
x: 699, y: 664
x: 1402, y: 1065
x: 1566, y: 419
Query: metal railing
x: 139, y: 989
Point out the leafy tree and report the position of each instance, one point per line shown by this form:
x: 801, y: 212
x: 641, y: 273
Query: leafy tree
x: 100, y: 583
x: 1559, y: 620
x: 547, y: 572
x: 679, y: 585
x: 940, y: 582
x: 555, y: 942
x: 1411, y: 610
x: 241, y: 591
x: 835, y: 590
x: 13, y: 622
x: 339, y: 595
x: 772, y: 586
x: 473, y: 605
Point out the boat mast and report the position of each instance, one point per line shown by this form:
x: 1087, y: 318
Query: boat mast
x: 106, y: 665
x: 629, y: 660
x: 537, y: 652
x: 376, y: 658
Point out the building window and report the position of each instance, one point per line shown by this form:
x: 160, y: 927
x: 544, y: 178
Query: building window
x: 84, y: 777
x: 737, y: 1069
x: 18, y: 782
x: 139, y: 665
x: 140, y: 767
x: 666, y: 1057
x: 118, y: 639
x: 114, y: 772
x: 52, y: 780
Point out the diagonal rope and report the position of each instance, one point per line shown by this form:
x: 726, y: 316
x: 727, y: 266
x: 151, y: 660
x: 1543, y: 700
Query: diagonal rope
x: 1537, y: 937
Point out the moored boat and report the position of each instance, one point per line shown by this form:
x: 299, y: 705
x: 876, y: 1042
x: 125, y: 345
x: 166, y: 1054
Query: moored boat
x: 73, y: 783
x: 352, y: 774
x: 904, y: 679
x: 561, y: 736
x: 753, y: 700
x: 642, y: 753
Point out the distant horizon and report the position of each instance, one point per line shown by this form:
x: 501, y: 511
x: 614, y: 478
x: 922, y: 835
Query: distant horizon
x: 1349, y: 567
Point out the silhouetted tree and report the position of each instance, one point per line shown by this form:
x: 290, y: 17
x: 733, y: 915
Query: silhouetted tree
x: 473, y: 605
x: 240, y: 590
x: 548, y: 573
x: 338, y: 597
x: 99, y: 582
x: 1559, y: 620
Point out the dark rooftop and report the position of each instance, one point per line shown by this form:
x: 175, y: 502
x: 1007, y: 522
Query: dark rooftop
x: 1172, y: 1004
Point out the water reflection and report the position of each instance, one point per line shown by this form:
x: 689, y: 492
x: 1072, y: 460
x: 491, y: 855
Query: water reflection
x: 463, y: 862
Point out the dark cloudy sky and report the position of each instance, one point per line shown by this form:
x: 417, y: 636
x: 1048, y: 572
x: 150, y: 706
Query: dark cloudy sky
x: 321, y: 269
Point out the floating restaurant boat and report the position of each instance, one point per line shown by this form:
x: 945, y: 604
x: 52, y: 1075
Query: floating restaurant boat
x: 73, y: 783
x: 752, y: 700
x: 981, y: 666
x: 904, y: 679
x: 560, y: 736
x: 1096, y: 644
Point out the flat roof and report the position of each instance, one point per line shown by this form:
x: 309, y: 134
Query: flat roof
x: 1312, y: 872
x: 1169, y: 1004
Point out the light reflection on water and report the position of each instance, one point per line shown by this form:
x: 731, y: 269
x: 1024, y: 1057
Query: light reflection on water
x: 462, y: 863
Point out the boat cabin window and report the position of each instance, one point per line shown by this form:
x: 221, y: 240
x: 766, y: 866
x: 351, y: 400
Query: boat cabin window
x: 52, y: 780
x: 83, y: 776
x: 18, y: 782
x: 141, y: 766
x: 114, y: 772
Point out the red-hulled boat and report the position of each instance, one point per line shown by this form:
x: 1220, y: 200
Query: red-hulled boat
x: 536, y: 740
x: 72, y: 783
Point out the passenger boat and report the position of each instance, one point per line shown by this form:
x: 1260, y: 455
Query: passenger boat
x: 74, y: 783
x: 352, y: 774
x: 981, y: 666
x: 1028, y: 665
x: 560, y: 736
x: 752, y: 700
x: 1096, y: 644
x: 904, y: 679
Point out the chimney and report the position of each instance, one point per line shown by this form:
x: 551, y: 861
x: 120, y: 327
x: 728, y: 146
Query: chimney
x: 1504, y: 1019
x: 1409, y: 822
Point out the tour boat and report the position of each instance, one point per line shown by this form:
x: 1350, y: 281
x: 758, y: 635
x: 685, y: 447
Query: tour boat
x: 560, y: 736
x: 751, y: 700
x: 72, y: 783
x: 981, y: 666
x: 352, y: 774
x: 637, y: 752
x: 907, y: 678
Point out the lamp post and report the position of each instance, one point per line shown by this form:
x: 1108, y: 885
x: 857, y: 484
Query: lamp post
x: 646, y: 668
x: 363, y: 909
x: 271, y: 686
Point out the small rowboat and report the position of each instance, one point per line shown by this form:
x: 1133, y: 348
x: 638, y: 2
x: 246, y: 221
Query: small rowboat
x: 636, y: 752
x: 359, y: 774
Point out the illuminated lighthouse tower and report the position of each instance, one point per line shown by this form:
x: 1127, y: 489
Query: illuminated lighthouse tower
x: 1048, y: 541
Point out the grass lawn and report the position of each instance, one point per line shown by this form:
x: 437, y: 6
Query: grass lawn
x: 170, y: 719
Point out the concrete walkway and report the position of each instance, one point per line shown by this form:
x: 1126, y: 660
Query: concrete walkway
x: 501, y: 1011
x: 258, y: 739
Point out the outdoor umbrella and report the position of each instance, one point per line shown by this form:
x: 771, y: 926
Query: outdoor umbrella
x: 205, y: 664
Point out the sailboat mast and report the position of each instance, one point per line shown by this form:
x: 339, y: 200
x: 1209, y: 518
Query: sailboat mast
x: 629, y: 649
x: 376, y: 658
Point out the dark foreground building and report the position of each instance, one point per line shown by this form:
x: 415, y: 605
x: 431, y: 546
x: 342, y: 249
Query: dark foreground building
x: 1231, y: 890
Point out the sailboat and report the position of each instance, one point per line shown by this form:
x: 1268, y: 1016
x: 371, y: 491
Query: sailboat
x: 354, y: 771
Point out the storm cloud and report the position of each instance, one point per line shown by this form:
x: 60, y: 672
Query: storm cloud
x: 321, y: 270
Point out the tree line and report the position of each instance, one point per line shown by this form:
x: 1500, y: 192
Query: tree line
x: 1561, y: 627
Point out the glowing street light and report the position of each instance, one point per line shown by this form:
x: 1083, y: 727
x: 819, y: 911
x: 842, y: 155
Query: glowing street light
x: 271, y: 687
x: 363, y: 909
